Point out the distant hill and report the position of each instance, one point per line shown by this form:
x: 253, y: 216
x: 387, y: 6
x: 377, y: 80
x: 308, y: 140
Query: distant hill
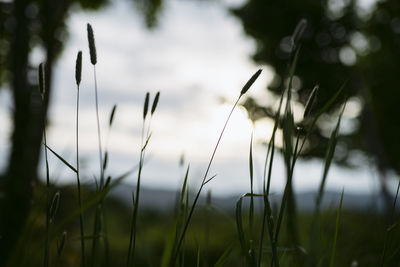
x: 163, y: 199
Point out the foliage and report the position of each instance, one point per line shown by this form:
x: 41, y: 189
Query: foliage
x: 343, y: 41
x: 360, y: 238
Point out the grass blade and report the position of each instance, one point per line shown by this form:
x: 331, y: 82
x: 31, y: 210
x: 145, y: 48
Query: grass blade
x: 251, y: 211
x: 42, y: 89
x: 332, y: 261
x: 184, y: 186
x: 240, y: 229
x: 132, y: 231
x: 288, y: 131
x: 328, y: 159
x: 78, y: 76
x: 246, y: 249
x: 389, y: 228
x: 62, y: 159
x: 322, y: 111
x: 198, y: 257
x: 224, y: 257
x: 243, y: 91
x: 315, y: 221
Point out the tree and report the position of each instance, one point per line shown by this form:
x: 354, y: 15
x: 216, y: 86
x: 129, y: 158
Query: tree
x: 24, y: 25
x: 342, y: 42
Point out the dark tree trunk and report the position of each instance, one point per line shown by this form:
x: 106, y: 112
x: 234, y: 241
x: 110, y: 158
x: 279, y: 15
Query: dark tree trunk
x: 16, y: 184
x: 374, y: 146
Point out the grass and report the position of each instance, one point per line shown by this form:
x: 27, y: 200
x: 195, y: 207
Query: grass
x: 205, y: 179
x: 78, y: 77
x: 42, y: 89
x: 272, y: 234
x: 135, y: 200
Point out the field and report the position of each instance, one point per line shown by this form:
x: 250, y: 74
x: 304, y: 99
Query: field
x: 360, y: 239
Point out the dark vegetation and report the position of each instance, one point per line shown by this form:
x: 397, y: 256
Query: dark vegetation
x: 343, y: 42
x: 360, y: 239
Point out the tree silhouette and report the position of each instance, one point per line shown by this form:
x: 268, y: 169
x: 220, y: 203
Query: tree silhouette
x: 25, y: 25
x: 343, y: 42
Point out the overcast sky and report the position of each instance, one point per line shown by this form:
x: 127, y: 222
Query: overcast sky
x: 196, y: 57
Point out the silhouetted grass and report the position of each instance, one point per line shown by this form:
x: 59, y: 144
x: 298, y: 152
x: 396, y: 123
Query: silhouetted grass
x: 253, y: 236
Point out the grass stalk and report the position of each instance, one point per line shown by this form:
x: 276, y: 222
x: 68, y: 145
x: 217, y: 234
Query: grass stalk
x: 288, y: 130
x: 182, y: 236
x: 245, y: 88
x: 47, y: 241
x: 132, y: 230
x: 332, y: 261
x: 251, y: 211
x: 267, y: 215
x: 78, y: 73
x: 102, y: 216
x: 99, y: 208
x: 239, y: 224
x: 315, y: 220
x: 135, y: 198
x: 389, y: 228
x: 42, y: 90
x: 132, y: 240
x: 93, y: 60
x: 98, y: 128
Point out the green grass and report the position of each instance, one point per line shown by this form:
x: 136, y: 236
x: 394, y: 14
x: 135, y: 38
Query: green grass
x: 360, y: 236
x: 78, y: 76
x: 193, y: 234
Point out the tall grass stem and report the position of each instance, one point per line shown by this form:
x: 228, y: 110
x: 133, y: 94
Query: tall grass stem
x: 98, y: 128
x: 187, y: 222
x: 42, y: 90
x: 81, y: 224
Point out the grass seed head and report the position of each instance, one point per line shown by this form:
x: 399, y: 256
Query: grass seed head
x: 146, y: 105
x: 310, y: 101
x: 108, y: 181
x: 250, y: 82
x: 105, y: 162
x: 78, y: 68
x: 112, y: 114
x: 55, y: 204
x: 299, y: 31
x: 155, y: 102
x: 42, y: 79
x: 92, y: 45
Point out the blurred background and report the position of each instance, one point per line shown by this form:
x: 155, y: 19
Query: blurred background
x: 199, y: 54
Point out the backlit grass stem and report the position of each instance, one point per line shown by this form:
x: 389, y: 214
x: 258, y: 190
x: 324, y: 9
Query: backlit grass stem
x: 204, y: 180
x: 93, y: 60
x: 97, y: 228
x: 135, y: 197
x: 78, y: 76
x: 251, y: 211
x: 267, y: 217
x: 288, y: 126
x: 339, y: 212
x: 389, y: 228
x: 42, y: 90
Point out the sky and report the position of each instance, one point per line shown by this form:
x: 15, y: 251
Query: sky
x: 198, y: 58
